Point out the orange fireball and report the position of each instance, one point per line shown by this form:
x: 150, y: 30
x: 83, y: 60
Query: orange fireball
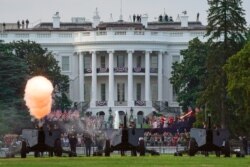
x: 38, y: 96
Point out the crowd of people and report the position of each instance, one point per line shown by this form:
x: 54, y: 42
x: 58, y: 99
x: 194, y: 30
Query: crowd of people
x: 22, y: 24
x: 166, y: 138
x: 136, y: 18
x: 58, y: 115
x: 160, y: 121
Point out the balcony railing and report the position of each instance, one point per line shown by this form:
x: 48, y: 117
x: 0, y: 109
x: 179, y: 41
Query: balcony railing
x: 153, y: 70
x: 121, y: 69
x: 101, y: 103
x: 87, y: 70
x: 140, y: 103
x: 102, y: 70
x: 138, y: 69
x: 121, y: 103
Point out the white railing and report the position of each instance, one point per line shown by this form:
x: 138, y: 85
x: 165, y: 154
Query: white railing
x: 120, y: 32
x: 86, y: 33
x: 100, y: 33
x: 197, y: 34
x: 43, y: 35
x: 138, y: 32
x: 176, y: 34
x: 102, y: 36
x: 65, y: 35
x: 22, y: 35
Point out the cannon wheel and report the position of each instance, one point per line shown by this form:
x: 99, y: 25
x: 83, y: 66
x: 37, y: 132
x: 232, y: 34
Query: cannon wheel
x: 192, y: 147
x: 227, y: 149
x: 107, y: 148
x: 23, y: 149
x: 217, y: 153
x: 133, y: 152
x: 36, y: 154
x: 58, y: 148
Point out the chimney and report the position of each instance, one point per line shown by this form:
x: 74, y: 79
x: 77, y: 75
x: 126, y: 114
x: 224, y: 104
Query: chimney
x: 56, y: 20
x: 144, y: 20
x: 96, y: 19
x: 184, y: 21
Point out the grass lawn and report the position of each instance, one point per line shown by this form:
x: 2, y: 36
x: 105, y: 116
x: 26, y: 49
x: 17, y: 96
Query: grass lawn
x: 127, y: 161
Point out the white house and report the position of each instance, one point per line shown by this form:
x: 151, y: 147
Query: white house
x: 114, y: 66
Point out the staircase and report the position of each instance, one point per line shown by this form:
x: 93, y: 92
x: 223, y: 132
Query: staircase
x: 162, y: 107
x: 82, y: 106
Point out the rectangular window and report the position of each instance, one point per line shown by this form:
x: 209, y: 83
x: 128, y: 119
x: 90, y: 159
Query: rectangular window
x: 138, y: 91
x: 102, y: 61
x: 87, y: 62
x: 65, y: 63
x: 120, y: 92
x: 176, y: 58
x: 154, y: 90
x: 123, y: 92
x: 138, y: 61
x: 87, y: 89
x: 120, y: 61
x: 154, y: 62
x: 103, y: 92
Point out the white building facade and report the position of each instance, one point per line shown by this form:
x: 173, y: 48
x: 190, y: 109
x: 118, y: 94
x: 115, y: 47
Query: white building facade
x: 115, y: 66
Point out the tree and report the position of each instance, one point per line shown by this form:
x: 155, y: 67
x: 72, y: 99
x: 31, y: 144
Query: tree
x: 13, y: 120
x: 238, y: 86
x: 225, y: 30
x: 19, y: 61
x: 13, y: 74
x: 189, y: 75
x: 42, y: 62
x: 226, y: 21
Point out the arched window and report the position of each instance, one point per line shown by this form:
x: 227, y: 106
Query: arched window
x: 88, y: 114
x: 121, y: 116
x: 100, y: 113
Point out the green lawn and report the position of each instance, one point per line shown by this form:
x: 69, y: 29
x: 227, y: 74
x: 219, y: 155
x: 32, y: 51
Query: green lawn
x: 128, y: 161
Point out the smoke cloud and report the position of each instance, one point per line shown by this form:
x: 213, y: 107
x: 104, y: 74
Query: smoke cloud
x: 38, y: 96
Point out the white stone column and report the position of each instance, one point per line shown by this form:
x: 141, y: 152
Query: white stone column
x: 81, y: 77
x: 130, y: 78
x: 160, y: 76
x: 94, y: 80
x: 147, y: 78
x: 111, y: 79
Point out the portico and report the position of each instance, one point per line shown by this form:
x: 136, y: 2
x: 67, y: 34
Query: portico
x: 120, y: 78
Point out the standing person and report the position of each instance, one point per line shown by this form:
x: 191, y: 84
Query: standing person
x: 138, y: 18
x: 197, y: 17
x: 73, y: 141
x: 27, y: 24
x: 134, y: 17
x: 4, y: 25
x: 22, y: 24
x: 245, y: 145
x: 88, y: 143
x: 18, y: 24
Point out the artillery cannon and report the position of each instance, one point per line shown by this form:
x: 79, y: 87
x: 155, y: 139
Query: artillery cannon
x: 126, y: 139
x: 208, y: 140
x: 42, y: 140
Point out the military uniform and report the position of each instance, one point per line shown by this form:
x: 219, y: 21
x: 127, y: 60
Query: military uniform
x: 73, y: 142
x: 88, y: 144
